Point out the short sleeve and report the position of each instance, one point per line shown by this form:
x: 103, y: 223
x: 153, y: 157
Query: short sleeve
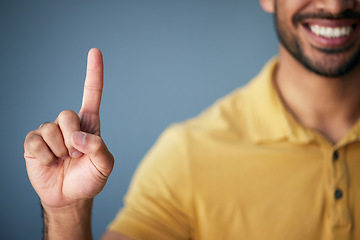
x: 158, y: 203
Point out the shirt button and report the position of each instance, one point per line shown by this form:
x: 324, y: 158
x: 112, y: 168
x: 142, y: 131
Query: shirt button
x: 335, y: 155
x: 338, y: 194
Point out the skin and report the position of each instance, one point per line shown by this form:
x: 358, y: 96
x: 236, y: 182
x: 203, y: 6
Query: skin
x: 329, y: 105
x: 68, y: 162
x: 63, y: 155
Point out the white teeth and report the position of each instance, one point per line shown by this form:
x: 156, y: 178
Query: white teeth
x: 330, y: 32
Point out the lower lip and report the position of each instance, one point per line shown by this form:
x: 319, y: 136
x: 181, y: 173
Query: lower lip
x: 331, y: 42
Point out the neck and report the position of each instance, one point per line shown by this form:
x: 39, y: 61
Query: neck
x: 329, y: 106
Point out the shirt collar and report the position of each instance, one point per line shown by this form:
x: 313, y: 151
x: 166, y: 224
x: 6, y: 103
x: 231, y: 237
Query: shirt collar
x: 268, y: 118
x: 352, y: 136
x: 270, y: 121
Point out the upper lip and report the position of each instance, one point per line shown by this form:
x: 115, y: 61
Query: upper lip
x: 326, y: 19
x: 331, y: 23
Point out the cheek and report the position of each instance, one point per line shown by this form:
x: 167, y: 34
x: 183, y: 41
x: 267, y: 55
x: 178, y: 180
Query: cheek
x: 287, y: 9
x: 283, y: 20
x: 286, y: 32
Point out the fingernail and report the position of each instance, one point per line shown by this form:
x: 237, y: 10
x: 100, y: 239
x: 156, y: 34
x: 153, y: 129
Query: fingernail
x: 76, y: 154
x: 79, y: 138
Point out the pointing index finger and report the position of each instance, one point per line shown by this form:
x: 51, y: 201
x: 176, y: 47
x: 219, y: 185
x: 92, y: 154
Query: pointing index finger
x: 93, y: 83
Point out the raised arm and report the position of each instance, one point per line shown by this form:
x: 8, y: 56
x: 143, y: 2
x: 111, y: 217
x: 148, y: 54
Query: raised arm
x: 68, y: 162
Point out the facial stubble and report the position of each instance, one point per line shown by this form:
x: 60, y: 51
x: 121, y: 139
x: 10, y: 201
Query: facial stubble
x: 327, y: 66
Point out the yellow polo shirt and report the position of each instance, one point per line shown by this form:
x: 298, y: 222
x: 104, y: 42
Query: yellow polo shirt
x: 245, y: 169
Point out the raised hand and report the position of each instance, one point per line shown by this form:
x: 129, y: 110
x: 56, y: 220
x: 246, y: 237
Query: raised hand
x: 67, y: 160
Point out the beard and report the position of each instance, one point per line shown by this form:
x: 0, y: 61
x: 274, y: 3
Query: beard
x: 330, y: 65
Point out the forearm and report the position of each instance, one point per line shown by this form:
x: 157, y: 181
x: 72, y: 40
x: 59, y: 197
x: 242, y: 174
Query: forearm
x: 70, y: 222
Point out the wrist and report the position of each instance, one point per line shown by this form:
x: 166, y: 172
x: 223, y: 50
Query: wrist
x: 68, y: 222
x: 79, y: 207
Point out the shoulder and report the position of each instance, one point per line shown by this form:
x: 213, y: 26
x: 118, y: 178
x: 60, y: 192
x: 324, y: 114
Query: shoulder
x: 234, y: 116
x: 225, y: 119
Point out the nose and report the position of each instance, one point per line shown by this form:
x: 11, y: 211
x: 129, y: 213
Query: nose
x: 336, y: 6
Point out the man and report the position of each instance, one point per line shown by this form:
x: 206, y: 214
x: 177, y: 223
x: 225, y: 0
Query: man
x: 278, y: 159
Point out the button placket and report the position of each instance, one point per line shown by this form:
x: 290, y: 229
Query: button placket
x: 335, y: 155
x: 339, y: 193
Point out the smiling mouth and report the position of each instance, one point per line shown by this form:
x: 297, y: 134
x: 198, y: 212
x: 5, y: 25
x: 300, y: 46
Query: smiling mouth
x: 330, y: 32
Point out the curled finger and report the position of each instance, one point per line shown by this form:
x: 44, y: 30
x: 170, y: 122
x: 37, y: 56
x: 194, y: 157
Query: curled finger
x: 36, y: 148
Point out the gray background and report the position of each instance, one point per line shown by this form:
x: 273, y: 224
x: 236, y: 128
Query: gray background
x: 165, y: 61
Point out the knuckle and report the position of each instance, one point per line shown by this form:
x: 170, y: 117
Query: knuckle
x: 98, y: 144
x: 49, y: 129
x: 35, y: 144
x: 28, y: 138
x: 43, y: 125
x: 66, y: 114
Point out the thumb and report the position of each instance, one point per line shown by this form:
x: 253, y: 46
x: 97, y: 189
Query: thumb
x: 94, y: 147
